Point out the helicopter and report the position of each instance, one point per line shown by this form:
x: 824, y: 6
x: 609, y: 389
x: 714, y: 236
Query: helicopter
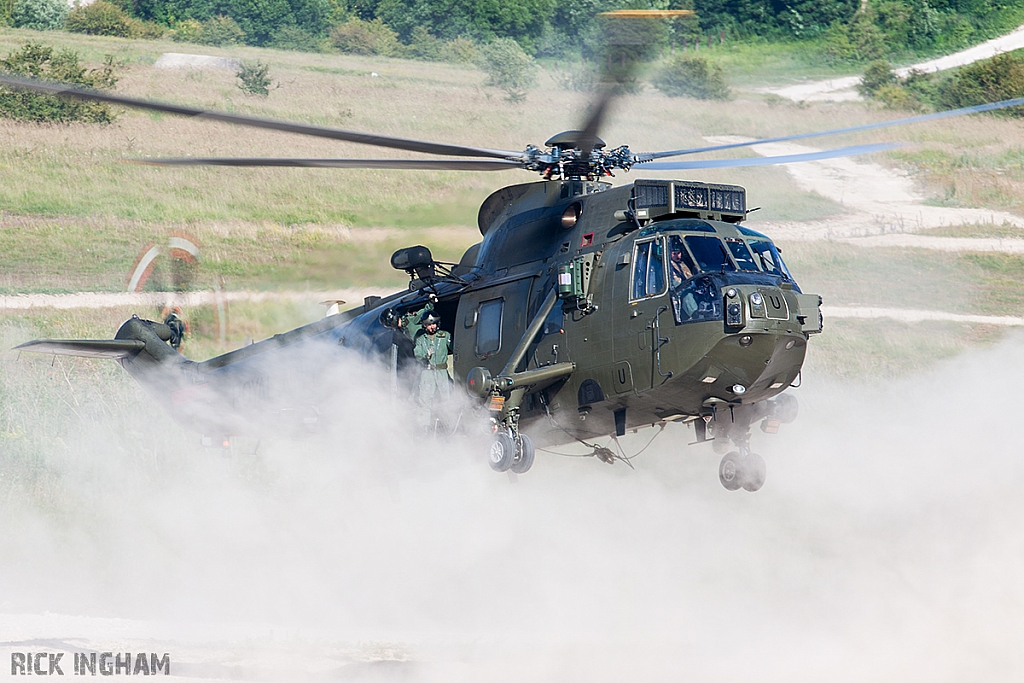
x: 585, y: 310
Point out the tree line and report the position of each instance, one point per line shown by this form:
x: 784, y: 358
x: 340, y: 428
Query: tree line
x: 848, y: 30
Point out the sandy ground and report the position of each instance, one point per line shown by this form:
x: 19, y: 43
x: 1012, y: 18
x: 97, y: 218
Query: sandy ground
x: 845, y: 89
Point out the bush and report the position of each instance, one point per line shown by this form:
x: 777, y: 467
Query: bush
x: 460, y: 51
x: 254, y: 78
x: 576, y: 77
x: 41, y: 15
x: 859, y: 41
x: 99, y: 18
x: 423, y: 45
x: 293, y: 38
x: 508, y: 68
x: 692, y: 75
x: 895, y: 96
x: 999, y: 78
x: 878, y: 75
x: 360, y: 37
x: 219, y: 30
x: 39, y: 61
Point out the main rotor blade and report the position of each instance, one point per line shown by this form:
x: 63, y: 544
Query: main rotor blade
x: 406, y: 164
x: 588, y: 133
x: 406, y: 144
x: 951, y: 113
x: 769, y: 161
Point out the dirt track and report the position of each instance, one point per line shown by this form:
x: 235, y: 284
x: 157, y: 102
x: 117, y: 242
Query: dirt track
x: 844, y: 89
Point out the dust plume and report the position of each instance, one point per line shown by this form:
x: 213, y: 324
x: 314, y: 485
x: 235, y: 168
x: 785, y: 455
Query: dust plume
x: 885, y: 545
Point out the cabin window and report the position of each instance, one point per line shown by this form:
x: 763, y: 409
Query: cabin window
x: 710, y: 254
x: 768, y: 258
x: 488, y: 327
x: 648, y: 269
x: 739, y: 251
x: 680, y: 264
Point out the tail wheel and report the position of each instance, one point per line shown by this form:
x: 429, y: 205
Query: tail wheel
x: 524, y: 461
x: 503, y: 452
x: 730, y: 471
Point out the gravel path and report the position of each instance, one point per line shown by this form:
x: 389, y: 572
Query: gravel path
x: 844, y: 89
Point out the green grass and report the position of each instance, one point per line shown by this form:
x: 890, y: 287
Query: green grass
x: 62, y: 254
x: 865, y: 350
x: 979, y: 284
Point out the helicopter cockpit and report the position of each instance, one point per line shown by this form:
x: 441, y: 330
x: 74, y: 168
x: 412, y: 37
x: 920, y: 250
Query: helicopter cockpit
x: 695, y: 262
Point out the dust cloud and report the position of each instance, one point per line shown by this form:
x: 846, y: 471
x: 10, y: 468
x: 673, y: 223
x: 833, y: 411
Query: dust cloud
x: 887, y: 543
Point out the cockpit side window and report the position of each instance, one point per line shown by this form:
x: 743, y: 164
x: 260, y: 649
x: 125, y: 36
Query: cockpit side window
x: 680, y: 264
x: 768, y: 258
x: 710, y: 253
x: 742, y: 255
x: 648, y: 269
x: 488, y: 327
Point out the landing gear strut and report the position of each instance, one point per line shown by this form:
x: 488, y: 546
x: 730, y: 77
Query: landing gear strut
x: 740, y: 468
x: 511, y: 449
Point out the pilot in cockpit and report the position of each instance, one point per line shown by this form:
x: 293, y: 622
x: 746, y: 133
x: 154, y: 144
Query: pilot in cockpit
x: 679, y: 271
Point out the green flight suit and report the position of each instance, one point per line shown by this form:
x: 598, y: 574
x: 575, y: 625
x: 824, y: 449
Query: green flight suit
x: 433, y: 350
x: 411, y: 321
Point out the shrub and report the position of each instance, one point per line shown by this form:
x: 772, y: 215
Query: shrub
x: 187, y: 31
x: 254, y: 78
x: 360, y: 37
x: 508, y: 68
x: 147, y: 29
x: 39, y: 61
x: 895, y: 96
x: 41, y: 15
x: 692, y: 76
x: 99, y: 18
x: 294, y: 38
x: 460, y: 51
x: 423, y: 45
x: 878, y: 75
x: 859, y: 41
x: 219, y: 30
x: 576, y: 77
x: 999, y: 78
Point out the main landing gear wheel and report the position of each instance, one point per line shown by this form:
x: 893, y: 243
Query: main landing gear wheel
x: 754, y: 472
x: 524, y: 459
x: 730, y: 471
x: 503, y: 452
x: 742, y: 471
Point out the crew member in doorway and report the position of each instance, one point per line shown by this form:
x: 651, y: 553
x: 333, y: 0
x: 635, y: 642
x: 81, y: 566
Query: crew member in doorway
x: 432, y: 348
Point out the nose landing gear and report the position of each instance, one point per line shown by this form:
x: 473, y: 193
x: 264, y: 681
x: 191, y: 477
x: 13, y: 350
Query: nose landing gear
x: 742, y: 469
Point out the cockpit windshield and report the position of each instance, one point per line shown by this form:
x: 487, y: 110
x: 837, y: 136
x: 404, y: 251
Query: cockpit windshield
x: 769, y: 259
x: 710, y: 253
x: 742, y: 255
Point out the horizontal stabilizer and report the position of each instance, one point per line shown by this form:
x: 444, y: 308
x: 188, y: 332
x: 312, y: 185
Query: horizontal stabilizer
x: 89, y: 348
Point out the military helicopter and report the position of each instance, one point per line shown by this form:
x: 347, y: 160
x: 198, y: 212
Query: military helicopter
x: 586, y: 310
